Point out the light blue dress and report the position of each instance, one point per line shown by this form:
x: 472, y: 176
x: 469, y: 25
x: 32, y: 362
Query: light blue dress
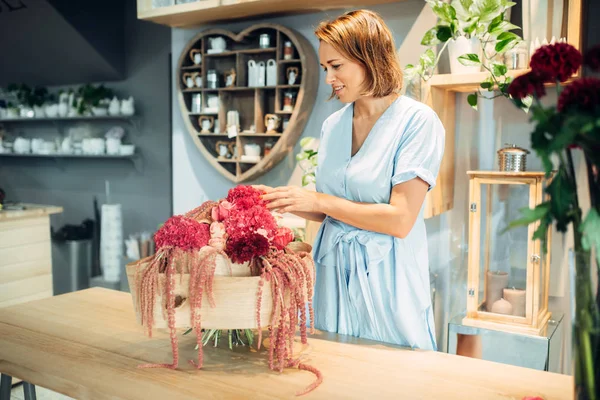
x: 368, y: 284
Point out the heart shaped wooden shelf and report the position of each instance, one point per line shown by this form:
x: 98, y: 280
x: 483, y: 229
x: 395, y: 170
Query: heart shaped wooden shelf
x: 268, y: 74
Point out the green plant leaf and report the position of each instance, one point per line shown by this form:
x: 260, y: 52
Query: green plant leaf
x: 495, y: 23
x: 486, y: 85
x: 530, y: 215
x: 469, y: 59
x: 444, y: 11
x: 562, y: 198
x: 503, y: 26
x: 444, y: 33
x: 472, y: 100
x: 504, y: 45
x: 498, y: 69
x: 306, y: 141
x: 428, y: 58
x: 430, y: 37
x: 590, y: 228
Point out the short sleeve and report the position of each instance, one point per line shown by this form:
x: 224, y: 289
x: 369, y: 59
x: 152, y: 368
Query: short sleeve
x: 420, y: 149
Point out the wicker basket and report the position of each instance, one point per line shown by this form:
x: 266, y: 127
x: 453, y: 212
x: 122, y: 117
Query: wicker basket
x: 235, y: 298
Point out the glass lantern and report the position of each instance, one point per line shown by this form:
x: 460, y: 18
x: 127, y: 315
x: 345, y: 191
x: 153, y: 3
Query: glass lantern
x: 508, y: 274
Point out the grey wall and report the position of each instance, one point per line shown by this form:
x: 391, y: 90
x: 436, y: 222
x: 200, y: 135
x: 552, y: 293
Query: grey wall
x: 145, y: 195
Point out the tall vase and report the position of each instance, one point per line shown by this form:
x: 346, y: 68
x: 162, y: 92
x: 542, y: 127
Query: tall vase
x: 460, y: 46
x: 586, y: 326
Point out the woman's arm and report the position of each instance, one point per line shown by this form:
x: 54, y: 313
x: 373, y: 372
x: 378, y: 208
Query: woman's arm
x: 396, y: 218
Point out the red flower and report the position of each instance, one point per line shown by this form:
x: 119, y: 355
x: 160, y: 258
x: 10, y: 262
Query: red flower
x: 243, y: 197
x: 582, y: 94
x: 221, y: 211
x: 182, y: 232
x: 527, y: 84
x: 558, y: 61
x: 244, y: 248
x: 283, y: 236
x: 592, y: 58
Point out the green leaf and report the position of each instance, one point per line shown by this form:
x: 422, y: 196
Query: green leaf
x: 307, y: 141
x: 504, y: 45
x: 508, y: 35
x: 486, y: 85
x: 530, y: 215
x: 430, y: 37
x: 562, y: 198
x: 472, y: 100
x: 498, y: 69
x: 495, y: 23
x: 444, y: 11
x: 469, y: 59
x: 444, y: 33
x: 527, y: 102
x: 487, y: 10
x: 504, y: 26
x: 428, y: 58
x: 590, y: 228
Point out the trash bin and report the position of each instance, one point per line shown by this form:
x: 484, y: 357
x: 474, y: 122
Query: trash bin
x: 80, y: 264
x: 72, y: 258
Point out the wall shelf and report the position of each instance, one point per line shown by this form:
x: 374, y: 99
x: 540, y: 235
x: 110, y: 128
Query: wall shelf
x: 254, y: 104
x: 190, y: 15
x: 59, y: 158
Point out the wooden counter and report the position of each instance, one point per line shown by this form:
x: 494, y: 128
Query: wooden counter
x: 25, y: 254
x: 87, y: 345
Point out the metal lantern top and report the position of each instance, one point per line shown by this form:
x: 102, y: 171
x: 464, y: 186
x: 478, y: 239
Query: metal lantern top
x: 508, y: 274
x: 512, y: 158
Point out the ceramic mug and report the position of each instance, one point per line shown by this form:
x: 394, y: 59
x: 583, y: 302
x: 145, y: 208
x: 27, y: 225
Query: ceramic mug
x: 206, y: 123
x: 188, y: 79
x: 196, y: 56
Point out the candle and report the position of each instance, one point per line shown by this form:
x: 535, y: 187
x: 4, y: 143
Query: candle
x: 496, y: 282
x: 502, y: 307
x: 516, y: 297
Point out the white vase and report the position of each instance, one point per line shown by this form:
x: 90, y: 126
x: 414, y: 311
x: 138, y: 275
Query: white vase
x: 459, y: 47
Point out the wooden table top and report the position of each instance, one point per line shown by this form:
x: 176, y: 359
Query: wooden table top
x: 87, y: 345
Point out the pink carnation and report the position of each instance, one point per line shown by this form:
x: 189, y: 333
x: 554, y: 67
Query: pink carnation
x: 283, y: 237
x: 182, y: 232
x: 244, y: 222
x: 244, y: 197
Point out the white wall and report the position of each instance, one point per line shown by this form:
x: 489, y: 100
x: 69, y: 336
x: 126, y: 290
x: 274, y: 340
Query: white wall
x: 478, y: 136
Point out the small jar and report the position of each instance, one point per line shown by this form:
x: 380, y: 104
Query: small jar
x: 268, y: 147
x: 264, y: 41
x: 516, y: 58
x: 288, y: 50
x: 212, y: 79
x: 288, y: 101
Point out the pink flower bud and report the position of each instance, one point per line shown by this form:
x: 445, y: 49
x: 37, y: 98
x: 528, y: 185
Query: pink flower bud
x: 221, y: 211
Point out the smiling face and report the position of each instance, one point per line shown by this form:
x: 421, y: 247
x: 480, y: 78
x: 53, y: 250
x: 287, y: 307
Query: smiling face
x: 346, y: 77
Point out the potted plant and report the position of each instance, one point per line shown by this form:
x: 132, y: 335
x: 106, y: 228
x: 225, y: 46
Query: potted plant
x: 476, y: 34
x: 573, y: 125
x: 93, y: 99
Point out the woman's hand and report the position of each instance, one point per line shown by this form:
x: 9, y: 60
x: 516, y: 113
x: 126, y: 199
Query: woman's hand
x: 290, y: 199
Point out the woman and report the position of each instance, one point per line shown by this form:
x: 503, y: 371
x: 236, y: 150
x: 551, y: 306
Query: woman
x: 378, y: 157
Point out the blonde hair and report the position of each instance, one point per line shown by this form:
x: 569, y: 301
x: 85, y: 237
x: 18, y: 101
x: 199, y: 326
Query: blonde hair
x: 363, y: 37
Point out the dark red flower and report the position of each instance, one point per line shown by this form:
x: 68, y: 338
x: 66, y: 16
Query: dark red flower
x: 557, y: 61
x: 582, y: 94
x: 531, y: 83
x: 592, y: 58
x: 244, y: 248
x: 244, y: 196
x: 182, y: 232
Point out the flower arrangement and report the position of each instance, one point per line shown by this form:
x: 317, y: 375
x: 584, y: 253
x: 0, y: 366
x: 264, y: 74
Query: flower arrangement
x: 573, y: 125
x: 238, y: 229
